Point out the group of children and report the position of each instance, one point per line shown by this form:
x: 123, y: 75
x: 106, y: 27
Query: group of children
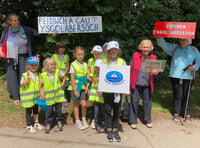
x: 84, y: 80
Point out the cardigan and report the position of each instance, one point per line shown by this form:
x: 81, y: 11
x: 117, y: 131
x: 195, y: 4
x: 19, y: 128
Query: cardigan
x: 135, y: 69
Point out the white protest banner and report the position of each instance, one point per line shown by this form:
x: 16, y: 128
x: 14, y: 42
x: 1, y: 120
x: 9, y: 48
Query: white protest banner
x: 114, y: 79
x: 79, y: 24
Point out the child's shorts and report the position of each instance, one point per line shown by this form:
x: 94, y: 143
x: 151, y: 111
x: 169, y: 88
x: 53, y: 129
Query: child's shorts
x: 83, y: 96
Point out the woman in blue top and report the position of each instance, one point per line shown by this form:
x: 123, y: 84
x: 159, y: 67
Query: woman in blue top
x: 185, y: 61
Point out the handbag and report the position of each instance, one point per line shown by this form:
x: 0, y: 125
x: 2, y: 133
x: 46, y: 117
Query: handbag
x: 4, y: 49
x: 125, y: 110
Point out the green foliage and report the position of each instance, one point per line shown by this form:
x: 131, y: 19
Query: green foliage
x: 127, y: 21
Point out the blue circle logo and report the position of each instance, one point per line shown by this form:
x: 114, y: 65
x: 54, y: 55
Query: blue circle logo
x: 114, y: 77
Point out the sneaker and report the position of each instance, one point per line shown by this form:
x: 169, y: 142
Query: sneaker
x: 109, y: 136
x: 47, y: 129
x: 93, y: 124
x: 99, y: 129
x: 38, y: 126
x: 85, y: 124
x: 79, y: 126
x: 116, y: 136
x: 60, y: 126
x: 31, y: 129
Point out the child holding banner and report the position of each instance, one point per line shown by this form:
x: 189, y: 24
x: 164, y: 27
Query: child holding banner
x: 185, y: 62
x: 62, y: 63
x: 79, y: 86
x: 141, y: 84
x: 112, y: 101
x: 93, y: 71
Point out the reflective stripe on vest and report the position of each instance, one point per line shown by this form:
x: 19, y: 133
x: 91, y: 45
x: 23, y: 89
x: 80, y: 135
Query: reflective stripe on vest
x: 61, y: 65
x: 29, y: 93
x: 53, y: 91
x: 94, y: 96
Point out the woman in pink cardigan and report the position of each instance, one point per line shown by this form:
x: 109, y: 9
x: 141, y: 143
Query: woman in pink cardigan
x: 141, y: 84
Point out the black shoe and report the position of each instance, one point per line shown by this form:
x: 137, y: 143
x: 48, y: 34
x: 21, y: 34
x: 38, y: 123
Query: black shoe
x: 60, y: 126
x: 116, y: 136
x: 109, y: 136
x: 47, y: 128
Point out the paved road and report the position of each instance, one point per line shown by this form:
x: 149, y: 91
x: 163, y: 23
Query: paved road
x: 164, y: 134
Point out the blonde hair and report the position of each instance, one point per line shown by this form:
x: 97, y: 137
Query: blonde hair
x: 46, y: 63
x: 78, y: 48
x: 147, y: 41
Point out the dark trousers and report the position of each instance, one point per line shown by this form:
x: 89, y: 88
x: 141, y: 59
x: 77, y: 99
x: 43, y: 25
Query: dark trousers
x: 14, y: 74
x: 98, y: 113
x: 134, y: 103
x: 111, y: 111
x: 49, y: 113
x: 29, y: 111
x: 180, y: 95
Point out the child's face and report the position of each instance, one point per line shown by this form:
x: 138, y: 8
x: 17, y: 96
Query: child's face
x: 52, y: 67
x: 79, y: 55
x: 33, y: 67
x: 113, y: 53
x: 61, y: 50
x: 146, y: 48
x: 97, y: 54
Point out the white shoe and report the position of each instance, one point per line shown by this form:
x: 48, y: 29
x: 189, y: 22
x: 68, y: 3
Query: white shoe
x: 79, y: 126
x: 38, y: 126
x: 30, y: 129
x: 85, y: 124
x: 93, y: 124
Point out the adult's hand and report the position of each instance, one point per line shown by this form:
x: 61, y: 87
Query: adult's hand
x: 16, y: 102
x: 191, y: 68
x: 1, y: 53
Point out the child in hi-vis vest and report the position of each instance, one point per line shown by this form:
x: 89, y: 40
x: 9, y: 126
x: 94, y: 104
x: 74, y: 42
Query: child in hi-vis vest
x: 29, y: 91
x: 51, y: 90
x: 95, y: 97
x: 78, y: 74
x: 62, y: 63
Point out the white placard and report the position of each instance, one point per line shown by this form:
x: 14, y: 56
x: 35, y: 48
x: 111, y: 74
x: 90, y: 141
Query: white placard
x: 114, y: 79
x: 79, y: 24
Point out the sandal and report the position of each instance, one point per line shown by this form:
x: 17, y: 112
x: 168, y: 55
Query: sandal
x: 149, y: 125
x: 175, y: 117
x: 188, y: 119
x: 134, y: 126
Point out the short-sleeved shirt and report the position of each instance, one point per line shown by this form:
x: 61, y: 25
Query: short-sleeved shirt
x: 31, y: 75
x: 51, y: 76
x: 71, y: 70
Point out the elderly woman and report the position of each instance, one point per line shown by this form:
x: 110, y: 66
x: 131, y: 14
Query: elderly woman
x: 185, y: 61
x: 141, y: 84
x: 18, y: 44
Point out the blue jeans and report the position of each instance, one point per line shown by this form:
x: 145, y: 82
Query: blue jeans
x: 98, y: 113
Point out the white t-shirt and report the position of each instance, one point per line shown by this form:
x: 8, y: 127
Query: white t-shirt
x: 31, y: 75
